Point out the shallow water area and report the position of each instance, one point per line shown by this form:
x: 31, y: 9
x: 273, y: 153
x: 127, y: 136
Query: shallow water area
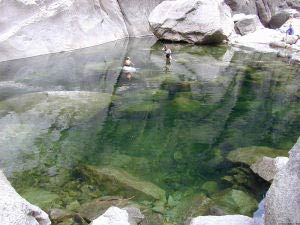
x: 75, y: 127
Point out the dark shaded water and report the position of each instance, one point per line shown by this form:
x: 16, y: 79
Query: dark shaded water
x: 170, y: 125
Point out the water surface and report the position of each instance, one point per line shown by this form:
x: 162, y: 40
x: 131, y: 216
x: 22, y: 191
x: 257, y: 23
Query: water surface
x: 172, y: 125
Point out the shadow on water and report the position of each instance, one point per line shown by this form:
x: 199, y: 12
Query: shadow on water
x: 64, y: 115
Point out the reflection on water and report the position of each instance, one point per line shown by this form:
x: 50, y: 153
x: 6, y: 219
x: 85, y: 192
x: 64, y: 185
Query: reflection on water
x: 172, y: 125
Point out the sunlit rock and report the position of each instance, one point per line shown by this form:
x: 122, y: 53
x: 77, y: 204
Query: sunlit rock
x: 221, y: 220
x: 267, y: 167
x: 282, y: 199
x: 193, y: 21
x: 16, y: 210
x: 116, y: 216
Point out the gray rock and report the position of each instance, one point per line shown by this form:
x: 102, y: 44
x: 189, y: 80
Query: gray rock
x: 135, y: 215
x: 242, y: 6
x: 278, y: 19
x: 15, y: 210
x: 116, y: 216
x: 295, y: 4
x: 268, y: 167
x: 283, y: 198
x: 263, y: 8
x: 189, y: 21
x: 247, y: 24
x: 221, y: 220
x: 59, y: 216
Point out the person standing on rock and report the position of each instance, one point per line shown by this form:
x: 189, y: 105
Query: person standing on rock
x: 290, y: 31
x: 168, y: 54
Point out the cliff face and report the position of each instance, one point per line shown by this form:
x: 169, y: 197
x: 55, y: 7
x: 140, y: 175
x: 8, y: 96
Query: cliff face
x: 282, y: 200
x: 34, y: 27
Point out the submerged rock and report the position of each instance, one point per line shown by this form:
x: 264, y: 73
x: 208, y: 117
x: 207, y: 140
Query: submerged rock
x: 16, y: 210
x: 283, y: 198
x: 117, y: 181
x: 235, y: 201
x: 221, y: 220
x: 193, y: 21
x: 268, y: 167
x: 95, y: 208
x: 40, y: 197
x: 63, y: 217
x: 249, y: 155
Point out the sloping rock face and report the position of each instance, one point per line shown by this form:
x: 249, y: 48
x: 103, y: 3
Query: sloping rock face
x: 193, y: 21
x: 283, y: 198
x: 263, y: 8
x: 221, y: 220
x: 35, y: 27
x: 15, y: 210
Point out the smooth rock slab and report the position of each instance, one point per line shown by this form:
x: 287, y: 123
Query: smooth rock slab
x: 193, y: 21
x: 119, y: 182
x: 221, y: 220
x: 15, y: 210
x: 268, y: 167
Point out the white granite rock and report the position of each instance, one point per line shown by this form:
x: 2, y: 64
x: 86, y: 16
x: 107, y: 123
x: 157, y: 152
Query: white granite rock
x: 283, y: 198
x: 193, y: 21
x: 15, y: 210
x: 268, y: 167
x: 221, y: 220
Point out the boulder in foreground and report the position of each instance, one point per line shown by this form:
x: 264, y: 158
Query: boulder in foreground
x: 15, y: 210
x: 283, y: 198
x: 192, y: 21
x: 221, y: 220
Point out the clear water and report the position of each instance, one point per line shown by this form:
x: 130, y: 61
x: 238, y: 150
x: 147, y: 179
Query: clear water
x: 172, y: 125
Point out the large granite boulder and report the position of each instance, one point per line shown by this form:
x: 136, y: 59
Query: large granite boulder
x: 268, y: 167
x: 34, y: 27
x: 283, y: 198
x: 263, y: 8
x: 279, y: 18
x: 245, y: 24
x: 15, y: 210
x: 193, y: 21
x: 221, y: 220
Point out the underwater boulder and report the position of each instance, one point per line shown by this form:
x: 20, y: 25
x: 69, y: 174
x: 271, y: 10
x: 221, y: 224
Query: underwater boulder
x: 119, y: 182
x: 249, y: 155
x: 63, y: 217
x: 235, y: 202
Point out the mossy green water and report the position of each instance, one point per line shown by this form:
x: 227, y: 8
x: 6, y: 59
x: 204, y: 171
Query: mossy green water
x: 170, y: 128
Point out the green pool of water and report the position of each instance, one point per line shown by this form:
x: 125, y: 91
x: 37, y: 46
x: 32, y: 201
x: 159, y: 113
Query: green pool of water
x: 74, y: 127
